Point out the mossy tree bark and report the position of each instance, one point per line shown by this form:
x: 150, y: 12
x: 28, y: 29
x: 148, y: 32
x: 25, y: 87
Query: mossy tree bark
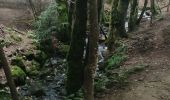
x: 100, y: 4
x: 113, y: 25
x: 142, y: 13
x: 92, y: 51
x: 75, y: 57
x: 133, y: 15
x: 7, y: 71
x: 71, y: 11
x: 122, y: 10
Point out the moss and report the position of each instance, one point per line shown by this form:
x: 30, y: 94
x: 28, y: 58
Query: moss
x: 33, y: 68
x: 40, y: 56
x: 19, y: 75
x: 19, y: 62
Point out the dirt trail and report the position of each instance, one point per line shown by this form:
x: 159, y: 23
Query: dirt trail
x: 154, y: 82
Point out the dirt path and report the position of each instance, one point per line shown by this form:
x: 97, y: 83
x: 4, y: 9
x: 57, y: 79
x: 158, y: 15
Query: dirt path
x: 154, y: 82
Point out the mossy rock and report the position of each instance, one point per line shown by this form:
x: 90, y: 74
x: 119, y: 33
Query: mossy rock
x: 18, y: 75
x: 40, y: 56
x: 33, y: 68
x: 18, y: 61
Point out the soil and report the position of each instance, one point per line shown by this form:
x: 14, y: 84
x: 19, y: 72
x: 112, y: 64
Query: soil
x: 148, y: 46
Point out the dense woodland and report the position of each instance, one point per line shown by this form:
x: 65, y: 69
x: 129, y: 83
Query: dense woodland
x: 84, y: 49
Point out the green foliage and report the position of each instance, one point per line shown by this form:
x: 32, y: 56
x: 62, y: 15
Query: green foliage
x: 19, y: 75
x: 53, y: 19
x: 116, y: 59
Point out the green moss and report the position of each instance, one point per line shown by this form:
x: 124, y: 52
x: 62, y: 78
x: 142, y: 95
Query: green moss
x: 40, y: 56
x: 18, y: 61
x: 19, y: 75
x: 33, y: 68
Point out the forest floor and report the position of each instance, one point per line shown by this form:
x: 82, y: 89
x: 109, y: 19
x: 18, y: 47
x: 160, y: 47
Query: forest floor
x: 149, y: 46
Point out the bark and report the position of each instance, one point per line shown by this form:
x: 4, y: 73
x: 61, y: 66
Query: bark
x: 71, y: 12
x: 92, y: 54
x: 7, y: 71
x: 100, y: 4
x: 143, y: 11
x: 133, y: 15
x: 122, y: 10
x: 75, y: 57
x: 113, y: 25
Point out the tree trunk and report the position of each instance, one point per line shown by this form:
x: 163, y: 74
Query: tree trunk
x: 71, y: 12
x: 112, y: 27
x: 143, y: 11
x: 100, y: 4
x: 122, y: 10
x: 92, y: 54
x: 75, y: 57
x: 133, y: 15
x: 7, y: 71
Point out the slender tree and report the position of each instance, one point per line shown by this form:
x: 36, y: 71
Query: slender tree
x: 142, y: 13
x: 133, y: 15
x: 92, y: 51
x: 113, y: 26
x: 122, y: 10
x: 7, y: 71
x: 75, y: 57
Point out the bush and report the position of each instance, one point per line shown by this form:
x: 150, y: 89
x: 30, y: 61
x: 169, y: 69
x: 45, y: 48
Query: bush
x: 52, y: 23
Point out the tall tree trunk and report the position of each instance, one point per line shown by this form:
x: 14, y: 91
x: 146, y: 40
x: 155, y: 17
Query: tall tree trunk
x: 71, y: 12
x: 75, y: 57
x: 142, y: 13
x: 92, y: 54
x: 7, y: 71
x: 113, y: 25
x: 100, y: 4
x: 133, y: 15
x: 122, y: 10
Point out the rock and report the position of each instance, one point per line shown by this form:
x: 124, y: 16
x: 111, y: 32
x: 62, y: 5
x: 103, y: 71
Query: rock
x: 18, y: 61
x: 18, y: 75
x: 40, y: 56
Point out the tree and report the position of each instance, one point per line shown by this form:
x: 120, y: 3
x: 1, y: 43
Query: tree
x: 92, y: 51
x: 133, y: 15
x: 113, y: 25
x: 117, y: 22
x: 75, y: 57
x: 100, y: 5
x: 122, y: 13
x: 143, y: 11
x: 7, y: 71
